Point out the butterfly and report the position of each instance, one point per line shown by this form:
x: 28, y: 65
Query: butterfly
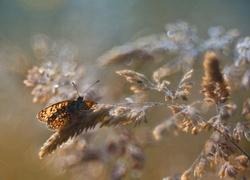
x: 61, y: 115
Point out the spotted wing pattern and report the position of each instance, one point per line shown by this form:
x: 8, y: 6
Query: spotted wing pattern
x: 60, y: 115
x: 88, y: 104
x: 46, y: 113
x: 55, y: 115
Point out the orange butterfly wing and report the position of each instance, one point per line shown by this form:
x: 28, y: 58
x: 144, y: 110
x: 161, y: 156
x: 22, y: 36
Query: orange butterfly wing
x: 61, y: 114
x: 55, y: 116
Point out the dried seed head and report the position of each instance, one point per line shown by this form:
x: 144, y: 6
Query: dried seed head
x: 168, y: 126
x: 214, y: 85
x: 228, y: 170
x: 209, y: 148
x: 186, y: 175
x: 246, y: 109
x: 140, y: 81
x: 119, y: 171
x: 194, y: 131
x: 200, y: 168
x: 242, y: 161
x: 227, y: 111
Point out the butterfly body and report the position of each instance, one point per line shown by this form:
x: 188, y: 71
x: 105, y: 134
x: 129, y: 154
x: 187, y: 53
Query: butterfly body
x: 61, y: 115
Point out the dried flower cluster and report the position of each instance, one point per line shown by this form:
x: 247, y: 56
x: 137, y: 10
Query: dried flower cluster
x: 121, y: 155
x: 142, y: 84
x: 51, y: 81
x: 119, y: 151
x: 46, y: 81
x: 238, y: 74
x: 214, y: 84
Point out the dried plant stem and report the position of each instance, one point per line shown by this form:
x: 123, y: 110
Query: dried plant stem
x: 191, y: 168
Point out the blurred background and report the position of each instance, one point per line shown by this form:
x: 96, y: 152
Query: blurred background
x: 93, y: 27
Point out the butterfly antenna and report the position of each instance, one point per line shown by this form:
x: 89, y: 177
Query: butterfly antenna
x: 86, y: 89
x: 76, y: 88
